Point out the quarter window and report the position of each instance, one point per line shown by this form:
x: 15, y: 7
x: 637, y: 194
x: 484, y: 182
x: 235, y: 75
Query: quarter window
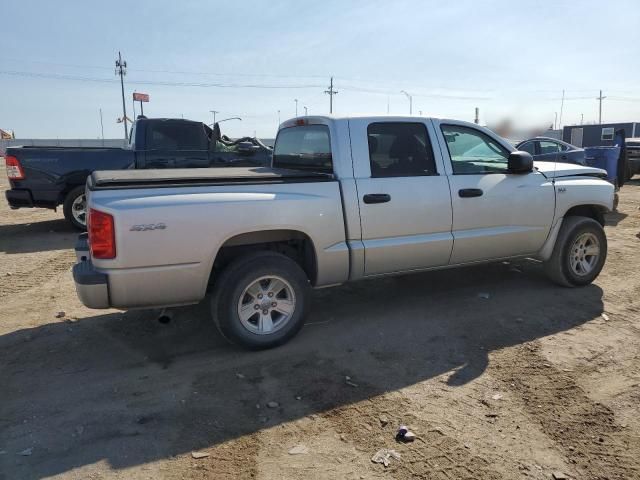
x: 304, y: 148
x: 400, y: 149
x: 474, y: 152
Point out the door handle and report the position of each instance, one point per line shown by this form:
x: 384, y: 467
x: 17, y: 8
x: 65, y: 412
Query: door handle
x: 470, y: 192
x: 376, y: 198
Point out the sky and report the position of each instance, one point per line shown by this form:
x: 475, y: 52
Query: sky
x: 254, y: 58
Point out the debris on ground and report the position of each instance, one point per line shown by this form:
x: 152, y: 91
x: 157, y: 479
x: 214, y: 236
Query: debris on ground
x: 240, y: 376
x: 348, y: 381
x: 60, y: 314
x: 384, y: 456
x: 197, y: 455
x: 273, y: 404
x: 299, y: 450
x: 484, y: 295
x: 26, y: 452
x: 298, y: 397
x: 497, y: 396
x: 559, y: 476
x: 405, y: 435
x: 384, y: 420
x: 605, y: 317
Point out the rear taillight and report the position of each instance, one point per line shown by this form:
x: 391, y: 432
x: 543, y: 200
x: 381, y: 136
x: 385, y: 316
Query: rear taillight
x: 14, y: 169
x: 102, y: 235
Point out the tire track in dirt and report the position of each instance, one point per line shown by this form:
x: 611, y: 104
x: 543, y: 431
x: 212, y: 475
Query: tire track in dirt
x: 18, y: 282
x: 584, y: 430
x: 433, y: 455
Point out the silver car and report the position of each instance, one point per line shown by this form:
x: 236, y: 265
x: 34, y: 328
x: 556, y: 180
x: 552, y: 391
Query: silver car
x: 545, y: 149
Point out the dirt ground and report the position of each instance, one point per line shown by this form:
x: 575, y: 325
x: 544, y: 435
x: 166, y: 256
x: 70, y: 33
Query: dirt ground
x: 500, y: 374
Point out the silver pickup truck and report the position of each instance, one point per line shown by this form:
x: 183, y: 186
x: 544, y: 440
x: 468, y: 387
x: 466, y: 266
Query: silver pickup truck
x: 345, y: 199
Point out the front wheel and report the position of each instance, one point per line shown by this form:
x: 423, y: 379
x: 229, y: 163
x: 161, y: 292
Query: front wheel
x: 75, y: 208
x: 579, y: 253
x: 260, y: 300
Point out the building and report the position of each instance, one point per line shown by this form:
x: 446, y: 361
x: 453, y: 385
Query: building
x: 600, y: 135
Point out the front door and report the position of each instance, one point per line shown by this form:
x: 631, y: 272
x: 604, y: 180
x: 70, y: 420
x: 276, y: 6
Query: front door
x: 404, y: 199
x: 496, y: 214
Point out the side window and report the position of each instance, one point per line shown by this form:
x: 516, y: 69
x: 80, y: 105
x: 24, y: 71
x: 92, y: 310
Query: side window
x: 305, y: 147
x: 400, y: 149
x: 529, y: 147
x: 548, y: 147
x: 176, y: 136
x: 474, y: 152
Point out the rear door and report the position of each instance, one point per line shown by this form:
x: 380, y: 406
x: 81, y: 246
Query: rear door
x: 496, y: 214
x: 176, y: 144
x: 403, y: 194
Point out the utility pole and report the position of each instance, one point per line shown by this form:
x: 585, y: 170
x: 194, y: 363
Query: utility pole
x: 410, y: 101
x: 102, y: 127
x: 214, y: 115
x: 387, y: 104
x: 296, y: 100
x: 600, y: 98
x: 121, y: 69
x: 306, y: 113
x: 581, y: 118
x: 331, y: 93
x: 278, y: 117
x: 476, y: 120
x: 555, y: 120
x: 561, y: 108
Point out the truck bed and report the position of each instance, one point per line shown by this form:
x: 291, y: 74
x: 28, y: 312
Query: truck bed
x: 124, y: 179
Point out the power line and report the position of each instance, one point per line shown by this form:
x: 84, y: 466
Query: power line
x: 57, y: 76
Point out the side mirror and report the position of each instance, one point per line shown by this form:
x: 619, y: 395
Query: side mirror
x: 520, y: 162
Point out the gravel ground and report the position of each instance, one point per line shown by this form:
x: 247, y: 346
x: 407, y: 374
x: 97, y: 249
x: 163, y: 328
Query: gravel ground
x: 534, y: 379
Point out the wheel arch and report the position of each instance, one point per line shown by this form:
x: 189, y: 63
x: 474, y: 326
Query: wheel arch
x: 594, y: 211
x: 294, y: 243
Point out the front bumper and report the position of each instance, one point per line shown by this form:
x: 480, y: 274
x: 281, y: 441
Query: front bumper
x: 19, y: 198
x: 92, y: 286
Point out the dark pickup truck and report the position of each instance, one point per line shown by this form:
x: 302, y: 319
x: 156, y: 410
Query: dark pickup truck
x: 47, y: 177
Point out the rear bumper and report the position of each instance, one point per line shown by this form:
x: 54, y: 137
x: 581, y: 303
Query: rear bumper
x: 92, y: 286
x: 19, y: 198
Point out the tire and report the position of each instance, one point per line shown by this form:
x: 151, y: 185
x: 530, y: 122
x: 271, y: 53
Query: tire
x: 279, y: 281
x: 73, y: 215
x: 568, y: 263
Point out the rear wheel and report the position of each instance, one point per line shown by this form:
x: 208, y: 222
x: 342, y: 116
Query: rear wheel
x: 75, y: 208
x: 579, y: 253
x: 260, y: 300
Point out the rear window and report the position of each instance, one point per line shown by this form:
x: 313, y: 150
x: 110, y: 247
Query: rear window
x: 305, y: 147
x: 176, y: 136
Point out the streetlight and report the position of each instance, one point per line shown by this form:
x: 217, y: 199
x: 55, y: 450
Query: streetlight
x: 214, y: 115
x: 296, y: 100
x: 278, y: 117
x: 410, y: 101
x: 230, y: 118
x: 305, y: 112
x: 555, y: 120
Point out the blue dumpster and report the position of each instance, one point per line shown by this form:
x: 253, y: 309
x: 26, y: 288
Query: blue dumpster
x: 606, y: 158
